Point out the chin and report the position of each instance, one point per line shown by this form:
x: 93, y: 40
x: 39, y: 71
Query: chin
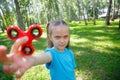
x: 61, y: 48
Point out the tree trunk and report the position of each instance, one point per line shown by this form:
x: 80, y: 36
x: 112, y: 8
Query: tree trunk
x: 85, y: 19
x: 108, y: 13
x: 94, y: 12
x: 3, y: 21
x: 79, y: 8
x: 118, y: 14
x: 19, y: 15
x: 119, y: 18
x: 113, y: 14
x: 119, y: 23
x: 83, y: 12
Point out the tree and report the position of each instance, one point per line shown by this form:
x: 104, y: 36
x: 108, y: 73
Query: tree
x: 108, y: 12
x: 119, y: 13
x: 2, y: 21
x: 6, y: 15
x: 94, y: 12
x: 83, y: 12
x: 79, y: 9
x: 113, y: 14
x: 19, y: 15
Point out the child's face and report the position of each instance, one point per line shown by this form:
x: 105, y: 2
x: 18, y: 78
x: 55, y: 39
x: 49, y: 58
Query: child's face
x: 60, y: 37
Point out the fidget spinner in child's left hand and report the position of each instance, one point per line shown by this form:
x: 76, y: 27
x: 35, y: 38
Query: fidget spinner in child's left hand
x: 34, y: 31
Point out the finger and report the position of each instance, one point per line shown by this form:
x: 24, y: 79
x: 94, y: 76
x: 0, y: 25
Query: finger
x: 18, y: 43
x: 6, y: 69
x: 3, y: 51
x: 20, y: 72
x: 11, y: 69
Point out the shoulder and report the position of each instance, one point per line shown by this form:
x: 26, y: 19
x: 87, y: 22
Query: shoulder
x: 69, y: 50
x: 48, y: 49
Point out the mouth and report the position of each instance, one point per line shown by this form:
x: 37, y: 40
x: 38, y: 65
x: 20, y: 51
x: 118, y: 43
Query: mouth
x: 61, y: 45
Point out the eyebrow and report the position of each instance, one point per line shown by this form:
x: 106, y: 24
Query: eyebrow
x: 59, y: 35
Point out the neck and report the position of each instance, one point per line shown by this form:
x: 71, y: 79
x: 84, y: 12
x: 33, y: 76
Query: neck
x: 60, y: 50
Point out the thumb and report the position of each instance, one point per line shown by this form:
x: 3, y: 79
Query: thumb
x: 18, y: 43
x: 20, y: 72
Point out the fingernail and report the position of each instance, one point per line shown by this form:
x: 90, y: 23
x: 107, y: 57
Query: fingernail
x: 25, y: 38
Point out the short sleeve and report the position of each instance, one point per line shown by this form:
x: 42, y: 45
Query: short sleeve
x: 48, y: 51
x: 73, y: 59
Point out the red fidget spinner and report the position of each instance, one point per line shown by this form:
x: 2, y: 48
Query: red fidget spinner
x: 34, y: 31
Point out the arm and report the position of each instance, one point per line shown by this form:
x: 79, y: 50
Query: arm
x: 41, y: 58
x: 20, y: 63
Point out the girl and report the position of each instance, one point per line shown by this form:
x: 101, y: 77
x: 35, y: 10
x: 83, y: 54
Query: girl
x: 59, y: 59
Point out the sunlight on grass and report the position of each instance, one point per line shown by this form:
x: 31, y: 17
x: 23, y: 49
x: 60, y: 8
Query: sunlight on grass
x: 96, y: 49
x: 36, y: 73
x: 74, y: 40
x: 4, y: 34
x: 101, y: 38
x: 102, y: 46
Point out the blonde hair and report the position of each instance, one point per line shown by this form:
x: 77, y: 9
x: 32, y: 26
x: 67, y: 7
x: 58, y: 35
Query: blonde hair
x: 50, y: 27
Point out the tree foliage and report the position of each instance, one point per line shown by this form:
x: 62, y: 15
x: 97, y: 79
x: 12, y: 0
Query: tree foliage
x: 26, y: 12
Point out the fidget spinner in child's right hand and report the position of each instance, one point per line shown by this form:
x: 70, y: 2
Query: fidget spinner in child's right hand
x: 34, y: 31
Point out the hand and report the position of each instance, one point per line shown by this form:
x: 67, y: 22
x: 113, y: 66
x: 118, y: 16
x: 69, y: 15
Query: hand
x: 19, y: 63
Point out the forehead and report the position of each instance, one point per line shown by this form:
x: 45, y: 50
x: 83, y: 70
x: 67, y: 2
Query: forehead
x: 60, y: 30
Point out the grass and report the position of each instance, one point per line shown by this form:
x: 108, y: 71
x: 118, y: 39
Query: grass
x: 96, y: 48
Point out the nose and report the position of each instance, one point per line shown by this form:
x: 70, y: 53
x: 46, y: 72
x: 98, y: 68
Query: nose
x: 62, y: 40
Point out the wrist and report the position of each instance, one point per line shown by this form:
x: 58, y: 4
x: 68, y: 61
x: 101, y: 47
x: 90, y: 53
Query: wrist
x: 34, y: 60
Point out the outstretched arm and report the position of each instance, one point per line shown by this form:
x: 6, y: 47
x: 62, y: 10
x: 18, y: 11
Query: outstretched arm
x: 20, y: 63
x: 41, y: 58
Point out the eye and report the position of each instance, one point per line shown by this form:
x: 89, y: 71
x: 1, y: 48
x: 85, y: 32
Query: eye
x: 66, y: 36
x: 57, y: 37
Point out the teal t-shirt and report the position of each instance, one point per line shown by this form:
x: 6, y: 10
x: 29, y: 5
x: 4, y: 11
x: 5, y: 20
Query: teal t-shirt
x: 62, y: 65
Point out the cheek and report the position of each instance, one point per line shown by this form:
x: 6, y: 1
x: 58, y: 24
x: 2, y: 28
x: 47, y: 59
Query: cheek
x: 54, y: 41
x: 67, y: 39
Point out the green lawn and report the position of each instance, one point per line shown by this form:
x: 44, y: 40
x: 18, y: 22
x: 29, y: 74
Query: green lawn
x: 96, y: 48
